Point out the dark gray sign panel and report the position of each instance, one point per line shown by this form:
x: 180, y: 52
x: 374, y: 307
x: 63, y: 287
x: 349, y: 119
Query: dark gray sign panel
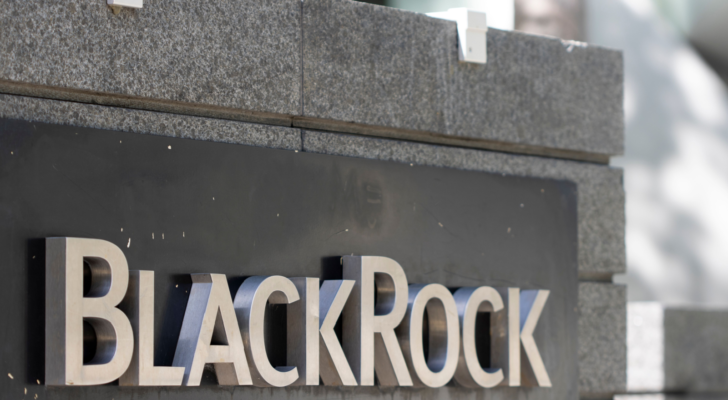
x: 177, y: 206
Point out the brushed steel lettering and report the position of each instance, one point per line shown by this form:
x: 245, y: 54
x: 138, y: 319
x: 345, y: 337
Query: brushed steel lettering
x: 334, y: 367
x: 470, y: 301
x: 370, y: 326
x: 444, y: 335
x: 67, y: 308
x: 250, y: 304
x: 138, y: 305
x: 303, y: 327
x: 209, y: 317
x: 532, y: 303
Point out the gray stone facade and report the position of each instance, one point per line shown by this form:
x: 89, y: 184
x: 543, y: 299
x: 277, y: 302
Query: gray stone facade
x: 335, y: 65
x: 350, y: 79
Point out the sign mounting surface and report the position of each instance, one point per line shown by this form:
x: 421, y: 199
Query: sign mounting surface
x: 201, y: 207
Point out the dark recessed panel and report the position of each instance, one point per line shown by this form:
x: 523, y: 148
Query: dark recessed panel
x: 178, y: 206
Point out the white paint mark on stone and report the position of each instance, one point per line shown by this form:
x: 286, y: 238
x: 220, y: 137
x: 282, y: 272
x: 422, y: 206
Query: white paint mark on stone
x: 278, y: 215
x: 169, y: 147
x: 37, y: 380
x: 412, y: 165
x: 10, y: 375
x: 183, y: 234
x: 152, y: 235
x: 176, y: 285
x: 346, y: 230
x: 162, y: 235
x: 11, y: 153
x: 122, y: 229
x: 213, y: 199
x: 128, y: 243
x: 25, y: 390
x: 295, y: 151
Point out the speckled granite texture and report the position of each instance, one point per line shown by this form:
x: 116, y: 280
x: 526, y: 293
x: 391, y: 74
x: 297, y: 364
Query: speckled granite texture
x: 335, y: 61
x: 600, y: 203
x: 232, y: 53
x: 147, y: 122
x: 696, y: 351
x: 381, y: 66
x: 602, y: 339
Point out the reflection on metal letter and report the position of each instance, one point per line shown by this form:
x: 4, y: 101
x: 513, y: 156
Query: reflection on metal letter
x: 303, y: 323
x: 444, y: 332
x: 368, y: 326
x: 250, y: 303
x: 335, y: 369
x: 470, y: 301
x: 532, y: 303
x: 209, y: 318
x: 138, y: 305
x: 67, y: 308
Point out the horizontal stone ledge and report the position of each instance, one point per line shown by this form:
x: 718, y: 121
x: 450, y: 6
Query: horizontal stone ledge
x: 211, y: 111
x: 372, y: 70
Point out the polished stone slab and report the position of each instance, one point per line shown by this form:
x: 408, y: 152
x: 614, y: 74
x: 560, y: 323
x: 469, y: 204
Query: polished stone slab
x: 601, y: 196
x: 378, y: 66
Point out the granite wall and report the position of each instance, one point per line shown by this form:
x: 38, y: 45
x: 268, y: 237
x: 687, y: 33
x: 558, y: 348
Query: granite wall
x: 346, y: 78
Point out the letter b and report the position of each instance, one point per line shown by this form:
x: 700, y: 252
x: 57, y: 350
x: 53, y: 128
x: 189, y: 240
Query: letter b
x: 67, y: 308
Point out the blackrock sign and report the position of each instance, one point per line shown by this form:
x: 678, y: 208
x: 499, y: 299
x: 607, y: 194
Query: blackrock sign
x: 152, y: 266
x: 383, y: 322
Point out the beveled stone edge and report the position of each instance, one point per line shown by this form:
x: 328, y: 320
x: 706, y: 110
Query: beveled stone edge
x: 235, y: 114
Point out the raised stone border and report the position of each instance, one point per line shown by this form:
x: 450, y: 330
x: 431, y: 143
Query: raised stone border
x: 333, y: 65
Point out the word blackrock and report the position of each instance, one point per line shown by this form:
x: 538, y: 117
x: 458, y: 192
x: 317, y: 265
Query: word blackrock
x: 382, y: 324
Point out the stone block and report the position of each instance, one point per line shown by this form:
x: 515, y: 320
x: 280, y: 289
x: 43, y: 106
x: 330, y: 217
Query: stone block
x: 377, y: 66
x: 242, y: 54
x: 696, y: 351
x: 600, y: 203
x: 602, y: 339
x: 148, y: 122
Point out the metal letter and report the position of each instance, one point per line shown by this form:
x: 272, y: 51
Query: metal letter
x: 444, y: 336
x: 532, y: 304
x: 335, y: 369
x: 138, y: 305
x: 369, y: 326
x: 524, y: 309
x: 250, y: 304
x: 210, y: 317
x: 303, y: 326
x: 470, y: 301
x: 67, y: 308
x: 506, y: 351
